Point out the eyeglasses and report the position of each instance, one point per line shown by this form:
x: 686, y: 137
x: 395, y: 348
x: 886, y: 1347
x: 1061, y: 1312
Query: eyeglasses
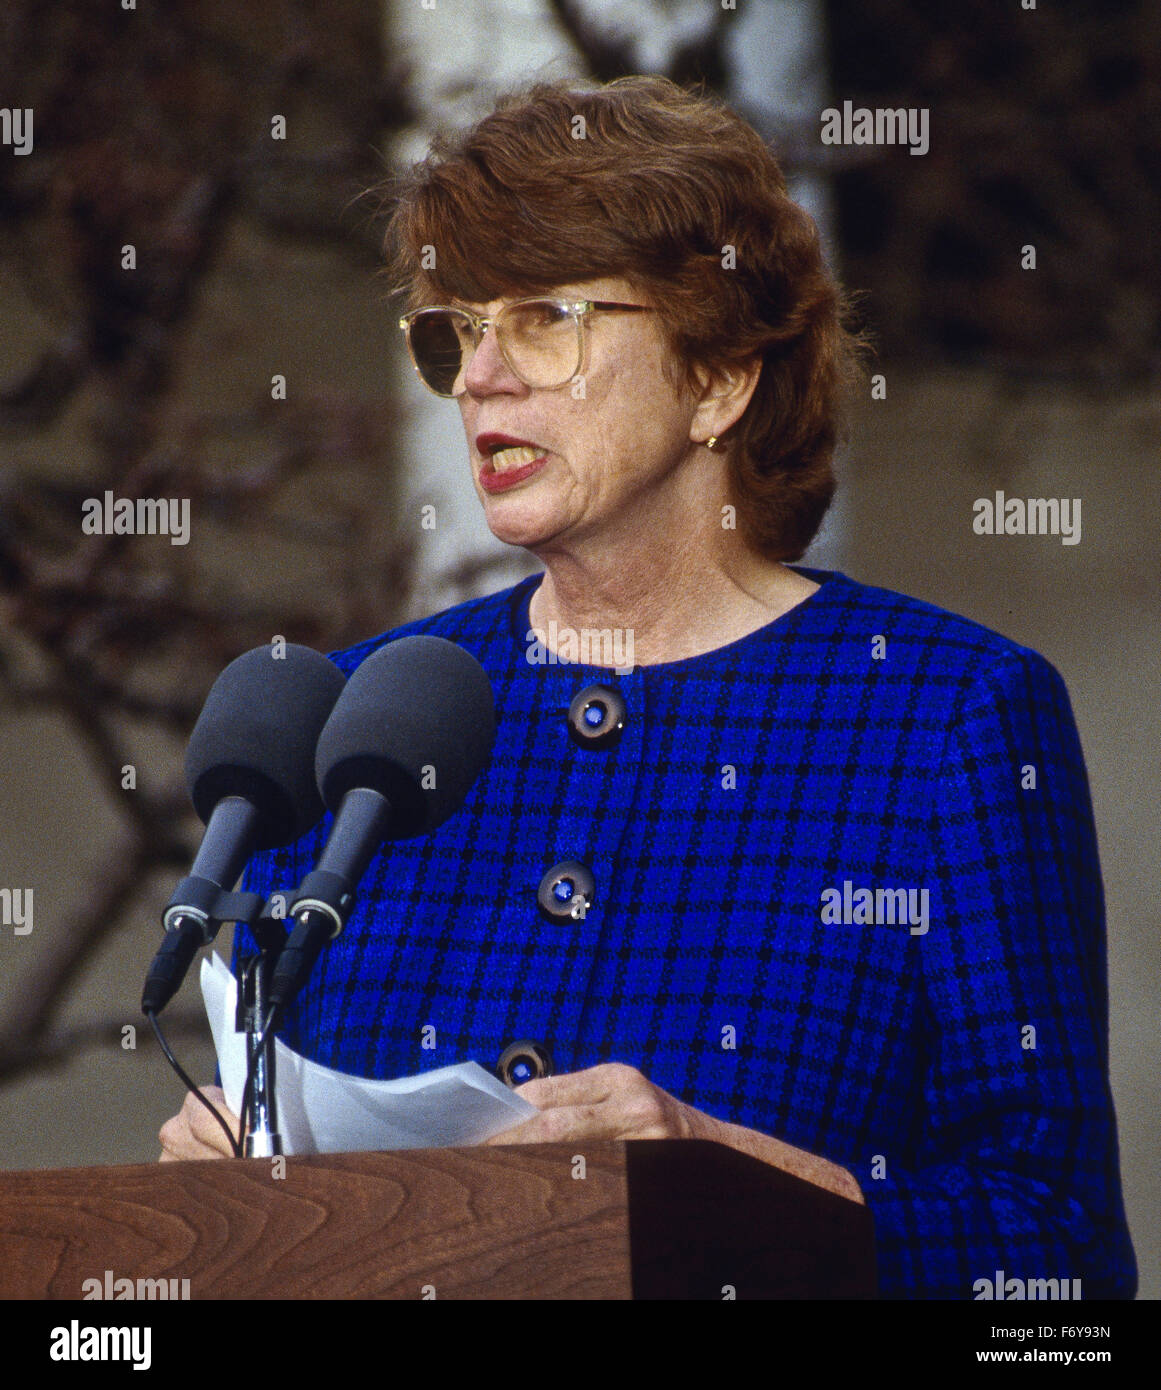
x: 542, y: 340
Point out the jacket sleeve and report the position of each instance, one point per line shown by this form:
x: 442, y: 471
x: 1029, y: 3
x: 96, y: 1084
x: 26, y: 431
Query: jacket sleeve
x: 1015, y: 1167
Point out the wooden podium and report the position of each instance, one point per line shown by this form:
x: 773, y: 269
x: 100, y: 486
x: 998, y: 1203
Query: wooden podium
x: 648, y: 1219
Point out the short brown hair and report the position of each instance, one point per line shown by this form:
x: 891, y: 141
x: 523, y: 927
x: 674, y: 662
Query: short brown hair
x: 654, y: 186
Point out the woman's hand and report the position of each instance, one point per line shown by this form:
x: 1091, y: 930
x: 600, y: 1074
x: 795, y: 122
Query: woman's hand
x: 615, y: 1101
x: 194, y: 1133
x: 612, y: 1101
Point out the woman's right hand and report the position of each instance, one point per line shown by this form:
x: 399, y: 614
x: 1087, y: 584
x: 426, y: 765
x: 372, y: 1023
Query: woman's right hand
x: 194, y: 1133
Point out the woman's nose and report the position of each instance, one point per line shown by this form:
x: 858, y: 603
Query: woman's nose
x: 487, y: 372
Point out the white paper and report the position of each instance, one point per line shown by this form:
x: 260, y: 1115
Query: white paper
x: 325, y: 1111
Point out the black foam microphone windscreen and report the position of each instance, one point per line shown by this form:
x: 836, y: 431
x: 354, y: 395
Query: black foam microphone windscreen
x: 416, y: 723
x: 256, y: 738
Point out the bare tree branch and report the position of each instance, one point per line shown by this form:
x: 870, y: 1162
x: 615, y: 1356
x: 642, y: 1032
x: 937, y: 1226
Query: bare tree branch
x: 58, y: 1048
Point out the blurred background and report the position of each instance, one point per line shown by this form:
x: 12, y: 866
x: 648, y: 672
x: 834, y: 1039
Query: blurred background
x: 249, y: 362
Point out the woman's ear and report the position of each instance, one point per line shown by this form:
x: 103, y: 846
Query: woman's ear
x: 722, y: 395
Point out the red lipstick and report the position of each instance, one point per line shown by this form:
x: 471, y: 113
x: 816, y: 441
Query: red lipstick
x: 493, y: 482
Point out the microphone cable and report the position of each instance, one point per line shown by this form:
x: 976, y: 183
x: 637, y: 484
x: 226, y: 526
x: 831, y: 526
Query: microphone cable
x: 192, y: 1086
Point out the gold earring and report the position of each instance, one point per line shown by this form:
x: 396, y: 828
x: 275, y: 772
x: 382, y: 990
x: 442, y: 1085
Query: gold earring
x: 711, y: 442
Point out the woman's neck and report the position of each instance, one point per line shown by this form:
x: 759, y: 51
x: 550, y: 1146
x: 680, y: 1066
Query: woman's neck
x: 667, y: 603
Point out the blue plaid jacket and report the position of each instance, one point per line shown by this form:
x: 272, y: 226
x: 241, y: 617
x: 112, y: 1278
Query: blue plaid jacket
x: 955, y: 1060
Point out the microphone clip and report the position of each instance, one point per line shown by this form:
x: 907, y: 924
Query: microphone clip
x: 201, y: 900
x: 197, y: 909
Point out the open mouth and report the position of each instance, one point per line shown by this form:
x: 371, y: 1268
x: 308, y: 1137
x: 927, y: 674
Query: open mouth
x: 510, y: 456
x: 505, y: 453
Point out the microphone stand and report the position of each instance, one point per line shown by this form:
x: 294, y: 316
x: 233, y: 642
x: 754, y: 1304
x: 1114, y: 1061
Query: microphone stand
x: 211, y: 906
x: 263, y: 1139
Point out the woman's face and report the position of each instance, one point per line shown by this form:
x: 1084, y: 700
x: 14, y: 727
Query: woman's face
x: 609, y: 461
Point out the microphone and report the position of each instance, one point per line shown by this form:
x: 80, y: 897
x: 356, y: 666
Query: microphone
x: 248, y: 769
x: 409, y: 736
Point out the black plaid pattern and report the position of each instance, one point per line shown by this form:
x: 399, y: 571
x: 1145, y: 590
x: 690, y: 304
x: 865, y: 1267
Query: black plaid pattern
x: 893, y: 1053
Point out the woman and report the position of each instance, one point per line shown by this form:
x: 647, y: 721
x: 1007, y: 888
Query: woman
x: 832, y: 849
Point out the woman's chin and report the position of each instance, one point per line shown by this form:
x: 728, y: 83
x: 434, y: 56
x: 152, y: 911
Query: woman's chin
x: 527, y: 527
